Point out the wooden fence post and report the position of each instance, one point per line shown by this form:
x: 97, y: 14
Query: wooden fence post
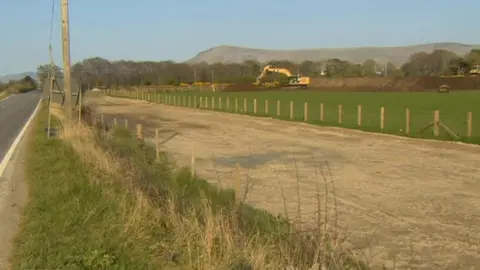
x: 382, y: 118
x: 359, y: 115
x: 255, y: 106
x: 266, y: 106
x: 278, y: 108
x: 213, y: 103
x: 139, y: 131
x: 184, y: 102
x: 245, y: 105
x: 228, y: 103
x: 469, y: 124
x: 219, y: 103
x: 407, y: 121
x: 340, y: 114
x: 238, y: 184
x: 193, y: 161
x: 236, y: 105
x: 189, y: 101
x: 305, y: 111
x: 206, y: 103
x: 291, y: 110
x: 157, y: 144
x: 126, y: 123
x: 322, y: 115
x: 436, y: 120
x: 115, y: 122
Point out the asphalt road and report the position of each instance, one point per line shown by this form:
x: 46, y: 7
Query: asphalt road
x: 14, y: 113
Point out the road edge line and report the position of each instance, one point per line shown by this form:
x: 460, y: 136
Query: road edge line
x: 14, y: 145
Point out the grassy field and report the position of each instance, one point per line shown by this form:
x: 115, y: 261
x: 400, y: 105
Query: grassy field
x: 453, y: 109
x: 101, y: 200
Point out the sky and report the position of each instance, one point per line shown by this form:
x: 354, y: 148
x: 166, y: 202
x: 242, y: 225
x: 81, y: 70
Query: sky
x: 177, y: 30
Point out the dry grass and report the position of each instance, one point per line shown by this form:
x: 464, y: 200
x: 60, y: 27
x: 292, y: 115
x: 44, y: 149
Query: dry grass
x: 161, y: 218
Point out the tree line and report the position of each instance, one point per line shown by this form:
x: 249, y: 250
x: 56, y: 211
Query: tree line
x: 23, y: 85
x: 101, y: 72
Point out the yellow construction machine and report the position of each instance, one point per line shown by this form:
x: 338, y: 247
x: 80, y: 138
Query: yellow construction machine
x: 475, y: 70
x: 298, y: 80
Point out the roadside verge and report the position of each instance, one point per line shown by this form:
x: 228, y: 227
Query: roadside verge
x: 103, y: 200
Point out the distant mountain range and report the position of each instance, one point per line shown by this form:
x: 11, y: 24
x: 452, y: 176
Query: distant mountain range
x: 396, y: 55
x: 16, y: 77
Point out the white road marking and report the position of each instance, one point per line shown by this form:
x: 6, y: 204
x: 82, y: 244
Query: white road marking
x: 8, y: 156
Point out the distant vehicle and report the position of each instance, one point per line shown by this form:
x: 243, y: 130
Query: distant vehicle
x: 475, y: 70
x: 298, y: 80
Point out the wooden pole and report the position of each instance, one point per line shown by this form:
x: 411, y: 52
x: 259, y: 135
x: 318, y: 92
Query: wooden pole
x: 157, y: 144
x: 291, y: 110
x: 228, y: 104
x: 469, y: 124
x: 255, y: 106
x: 278, y: 108
x: 236, y: 105
x: 436, y: 120
x: 66, y: 59
x: 245, y: 105
x: 340, y: 114
x: 266, y: 106
x: 382, y: 118
x: 139, y: 131
x: 305, y: 111
x: 192, y: 165
x: 359, y: 115
x: 407, y: 121
x: 126, y: 123
x: 219, y: 103
x: 322, y: 115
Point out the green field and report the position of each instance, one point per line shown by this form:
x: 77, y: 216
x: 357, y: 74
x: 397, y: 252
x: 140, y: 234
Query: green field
x: 453, y: 108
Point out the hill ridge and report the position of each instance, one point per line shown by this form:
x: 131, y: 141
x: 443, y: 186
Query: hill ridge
x: 397, y: 55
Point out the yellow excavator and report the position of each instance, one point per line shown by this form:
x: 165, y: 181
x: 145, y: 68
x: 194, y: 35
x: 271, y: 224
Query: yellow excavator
x: 475, y: 70
x: 298, y: 81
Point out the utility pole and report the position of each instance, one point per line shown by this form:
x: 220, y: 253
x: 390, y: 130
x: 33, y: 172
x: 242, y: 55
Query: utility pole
x: 67, y: 73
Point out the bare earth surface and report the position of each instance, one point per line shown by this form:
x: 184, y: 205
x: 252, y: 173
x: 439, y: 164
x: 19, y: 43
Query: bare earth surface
x: 404, y: 202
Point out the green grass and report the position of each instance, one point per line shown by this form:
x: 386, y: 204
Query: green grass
x: 453, y: 109
x: 104, y: 202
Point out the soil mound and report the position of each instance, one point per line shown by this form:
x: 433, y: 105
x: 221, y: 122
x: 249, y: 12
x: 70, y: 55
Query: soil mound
x: 241, y: 87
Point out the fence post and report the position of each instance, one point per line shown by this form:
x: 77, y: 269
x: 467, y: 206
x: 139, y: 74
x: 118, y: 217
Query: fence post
x: 322, y: 116
x: 245, y: 105
x: 255, y: 106
x: 206, y: 103
x: 382, y: 118
x: 359, y: 115
x: 126, y: 123
x: 213, y: 103
x: 219, y: 103
x: 157, y: 144
x: 305, y: 111
x: 139, y: 131
x: 340, y: 114
x: 228, y: 104
x: 291, y: 110
x: 236, y: 105
x: 469, y: 124
x: 436, y: 120
x: 407, y: 121
x: 278, y: 108
x: 266, y: 106
x: 192, y: 165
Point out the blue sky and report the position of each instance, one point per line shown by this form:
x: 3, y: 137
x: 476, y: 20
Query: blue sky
x: 178, y: 30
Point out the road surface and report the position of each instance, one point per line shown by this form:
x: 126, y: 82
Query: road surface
x: 14, y: 113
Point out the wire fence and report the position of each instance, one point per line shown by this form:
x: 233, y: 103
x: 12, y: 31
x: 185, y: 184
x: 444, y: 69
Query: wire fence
x: 398, y: 121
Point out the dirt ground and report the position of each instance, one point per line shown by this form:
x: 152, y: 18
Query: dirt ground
x: 398, y: 201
